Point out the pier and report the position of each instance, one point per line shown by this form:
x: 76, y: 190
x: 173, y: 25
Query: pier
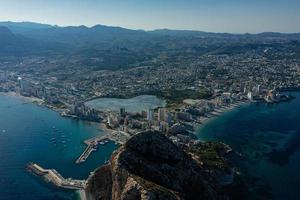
x: 118, y: 137
x: 52, y: 176
x: 92, y: 145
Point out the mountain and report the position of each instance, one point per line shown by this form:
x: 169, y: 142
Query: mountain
x: 72, y: 34
x: 106, y: 47
x: 10, y: 44
x: 6, y: 36
x: 150, y: 166
x: 23, y: 27
x: 13, y: 44
x: 101, y: 33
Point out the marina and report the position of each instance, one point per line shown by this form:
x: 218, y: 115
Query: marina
x: 119, y: 137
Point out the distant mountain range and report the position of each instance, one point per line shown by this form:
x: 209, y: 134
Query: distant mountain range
x: 99, y: 33
x: 120, y: 46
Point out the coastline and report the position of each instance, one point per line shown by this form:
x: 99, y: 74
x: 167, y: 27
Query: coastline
x: 268, y: 142
x: 29, y: 99
x: 42, y: 103
x: 217, y: 112
x: 203, y: 120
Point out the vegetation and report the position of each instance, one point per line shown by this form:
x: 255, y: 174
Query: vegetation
x: 211, y: 155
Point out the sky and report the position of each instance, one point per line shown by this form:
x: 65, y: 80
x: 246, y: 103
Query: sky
x: 231, y: 16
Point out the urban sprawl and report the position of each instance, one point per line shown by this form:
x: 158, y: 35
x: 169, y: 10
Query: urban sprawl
x: 203, y: 86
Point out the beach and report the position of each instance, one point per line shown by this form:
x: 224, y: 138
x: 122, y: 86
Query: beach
x: 29, y: 99
x: 218, y: 111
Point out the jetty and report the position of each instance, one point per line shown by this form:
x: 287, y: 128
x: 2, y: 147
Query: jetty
x: 52, y: 176
x: 118, y: 137
x: 92, y: 145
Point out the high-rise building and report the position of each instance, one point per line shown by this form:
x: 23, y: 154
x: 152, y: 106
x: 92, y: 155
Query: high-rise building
x: 150, y: 114
x: 250, y: 96
x: 144, y: 114
x: 109, y: 121
x: 169, y: 118
x: 163, y: 127
x: 161, y: 114
x: 258, y: 89
x: 126, y: 121
x: 122, y: 112
x: 20, y: 82
x: 182, y: 116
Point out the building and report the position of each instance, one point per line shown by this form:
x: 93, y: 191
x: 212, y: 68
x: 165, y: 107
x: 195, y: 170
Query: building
x: 144, y: 114
x: 258, y: 89
x: 150, y: 114
x: 122, y: 112
x: 109, y: 121
x: 169, y: 118
x: 162, y: 114
x: 126, y: 121
x: 182, y: 116
x: 163, y: 127
x: 20, y: 82
x: 250, y: 96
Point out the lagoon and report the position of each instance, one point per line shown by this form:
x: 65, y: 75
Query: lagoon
x: 135, y: 104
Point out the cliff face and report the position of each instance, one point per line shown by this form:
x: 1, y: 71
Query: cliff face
x: 150, y: 166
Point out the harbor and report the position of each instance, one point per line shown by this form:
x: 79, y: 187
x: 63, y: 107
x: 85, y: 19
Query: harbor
x: 119, y: 137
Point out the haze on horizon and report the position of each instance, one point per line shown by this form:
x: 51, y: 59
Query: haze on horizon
x: 232, y: 16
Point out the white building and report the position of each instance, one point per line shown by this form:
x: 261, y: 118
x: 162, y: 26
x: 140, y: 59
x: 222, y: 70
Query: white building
x: 250, y: 96
x: 150, y: 114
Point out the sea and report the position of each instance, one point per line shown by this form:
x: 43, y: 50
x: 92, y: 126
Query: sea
x: 265, y: 138
x: 32, y: 133
x: 266, y: 143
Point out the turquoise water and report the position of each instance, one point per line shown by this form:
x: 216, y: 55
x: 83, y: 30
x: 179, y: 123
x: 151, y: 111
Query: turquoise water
x: 268, y: 137
x: 27, y: 134
x: 136, y: 104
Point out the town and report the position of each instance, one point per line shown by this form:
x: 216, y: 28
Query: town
x: 195, y: 90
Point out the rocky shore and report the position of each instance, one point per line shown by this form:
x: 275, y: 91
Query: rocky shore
x: 150, y: 166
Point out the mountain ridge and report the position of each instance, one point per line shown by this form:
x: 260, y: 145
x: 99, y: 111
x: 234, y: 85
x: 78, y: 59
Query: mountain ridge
x: 38, y: 26
x: 107, y: 47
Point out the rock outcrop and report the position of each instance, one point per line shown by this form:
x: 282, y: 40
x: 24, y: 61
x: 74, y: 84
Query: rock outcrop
x: 150, y: 167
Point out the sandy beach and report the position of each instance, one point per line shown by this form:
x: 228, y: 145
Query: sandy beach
x: 17, y: 95
x: 219, y: 111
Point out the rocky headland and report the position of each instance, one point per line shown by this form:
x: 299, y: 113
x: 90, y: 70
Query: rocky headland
x: 150, y: 166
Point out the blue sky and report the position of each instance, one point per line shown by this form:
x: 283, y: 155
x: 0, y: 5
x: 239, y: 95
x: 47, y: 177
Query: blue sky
x: 235, y: 16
